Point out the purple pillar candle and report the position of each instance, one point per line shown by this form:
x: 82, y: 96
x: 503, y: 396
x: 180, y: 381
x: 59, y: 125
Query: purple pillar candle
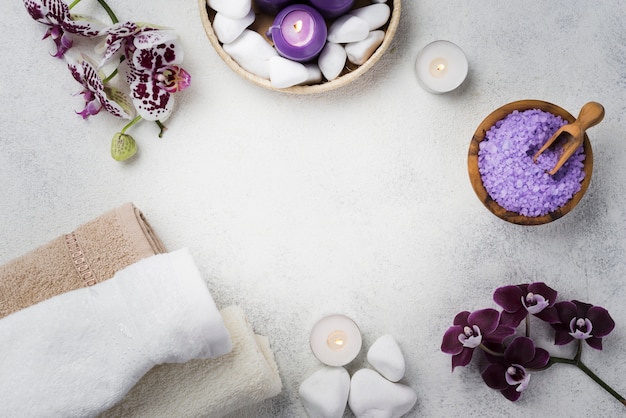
x: 272, y: 6
x: 332, y: 8
x: 299, y: 32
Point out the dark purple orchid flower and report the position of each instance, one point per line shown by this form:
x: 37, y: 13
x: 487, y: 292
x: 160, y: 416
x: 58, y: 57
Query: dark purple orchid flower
x: 510, y: 374
x: 582, y: 321
x: 471, y: 330
x: 153, y: 76
x: 56, y: 15
x: 95, y: 93
x: 520, y: 300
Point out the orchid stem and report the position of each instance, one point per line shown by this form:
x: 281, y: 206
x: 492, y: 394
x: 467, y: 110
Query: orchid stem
x: 576, y: 362
x: 110, y: 76
x: 107, y: 9
x: 131, y: 123
x: 161, y: 127
x: 74, y: 3
x: 528, y: 326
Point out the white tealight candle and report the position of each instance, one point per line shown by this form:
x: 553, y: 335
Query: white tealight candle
x: 441, y: 67
x: 335, y: 340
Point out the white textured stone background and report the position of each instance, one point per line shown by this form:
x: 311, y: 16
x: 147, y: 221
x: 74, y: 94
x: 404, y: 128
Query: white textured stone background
x: 355, y: 201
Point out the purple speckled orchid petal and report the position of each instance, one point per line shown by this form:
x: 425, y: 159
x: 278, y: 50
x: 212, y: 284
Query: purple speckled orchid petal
x: 602, y: 322
x: 150, y: 37
x: 173, y: 78
x: 117, y: 35
x: 450, y: 343
x: 48, y: 12
x: 157, y: 57
x: 520, y: 351
x: 509, y: 298
x: 486, y: 319
x: 463, y: 358
x: 152, y: 102
x: 84, y: 26
x: 494, y: 376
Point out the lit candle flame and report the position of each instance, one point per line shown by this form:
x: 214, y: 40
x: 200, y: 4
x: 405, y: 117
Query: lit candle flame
x: 440, y: 67
x: 297, y: 26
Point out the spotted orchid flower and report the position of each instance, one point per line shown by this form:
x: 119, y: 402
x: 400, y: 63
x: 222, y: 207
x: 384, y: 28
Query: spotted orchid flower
x: 56, y: 15
x: 470, y: 330
x: 96, y: 94
x: 510, y: 374
x: 153, y: 75
x: 125, y: 38
x: 520, y: 300
x: 582, y: 321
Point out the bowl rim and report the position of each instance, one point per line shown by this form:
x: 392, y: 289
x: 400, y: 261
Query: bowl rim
x: 392, y: 26
x: 476, y: 180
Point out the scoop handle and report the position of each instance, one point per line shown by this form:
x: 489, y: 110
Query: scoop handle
x: 590, y: 115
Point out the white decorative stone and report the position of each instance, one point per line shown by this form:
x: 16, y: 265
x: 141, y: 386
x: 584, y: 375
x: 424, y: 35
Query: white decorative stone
x: 348, y: 28
x: 324, y: 394
x: 359, y: 52
x: 286, y: 73
x: 227, y: 29
x: 332, y: 59
x: 235, y: 9
x: 314, y: 74
x: 375, y: 15
x: 387, y: 358
x: 252, y: 52
x: 373, y: 396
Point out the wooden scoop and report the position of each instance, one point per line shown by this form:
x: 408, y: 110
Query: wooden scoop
x: 573, y: 133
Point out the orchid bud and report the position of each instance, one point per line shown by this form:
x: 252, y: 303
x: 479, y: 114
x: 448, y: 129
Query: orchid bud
x: 123, y: 146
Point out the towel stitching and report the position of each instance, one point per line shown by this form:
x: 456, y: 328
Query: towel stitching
x: 79, y: 260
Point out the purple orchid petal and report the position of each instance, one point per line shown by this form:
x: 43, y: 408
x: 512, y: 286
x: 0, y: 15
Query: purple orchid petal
x: 540, y: 360
x: 173, y: 78
x: 540, y: 288
x: 152, y: 102
x: 513, y: 319
x: 463, y: 358
x: 508, y: 297
x: 549, y: 315
x: 581, y: 308
x: 499, y: 334
x: 495, y: 376
x: 461, y: 318
x: 602, y: 322
x: 511, y: 393
x: 520, y: 351
x: 486, y: 319
x: 566, y: 311
x: 562, y: 337
x: 594, y: 342
x: 450, y: 343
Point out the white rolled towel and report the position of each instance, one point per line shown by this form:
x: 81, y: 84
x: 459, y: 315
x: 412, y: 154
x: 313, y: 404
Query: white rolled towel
x: 78, y: 353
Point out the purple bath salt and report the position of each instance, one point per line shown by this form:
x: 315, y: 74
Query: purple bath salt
x: 512, y: 179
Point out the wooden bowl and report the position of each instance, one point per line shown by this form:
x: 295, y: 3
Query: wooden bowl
x: 475, y: 177
x: 350, y: 73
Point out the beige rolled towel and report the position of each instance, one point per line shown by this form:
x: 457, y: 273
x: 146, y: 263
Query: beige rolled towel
x: 92, y: 253
x: 208, y: 388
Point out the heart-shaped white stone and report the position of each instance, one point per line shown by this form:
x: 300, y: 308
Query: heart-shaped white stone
x: 373, y: 396
x: 235, y: 9
x: 387, y: 358
x: 252, y: 52
x: 359, y: 52
x: 324, y: 394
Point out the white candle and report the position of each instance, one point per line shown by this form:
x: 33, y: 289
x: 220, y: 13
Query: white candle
x: 441, y: 67
x: 335, y: 340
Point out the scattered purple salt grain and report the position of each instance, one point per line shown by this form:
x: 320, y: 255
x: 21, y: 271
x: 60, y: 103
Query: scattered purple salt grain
x: 512, y: 179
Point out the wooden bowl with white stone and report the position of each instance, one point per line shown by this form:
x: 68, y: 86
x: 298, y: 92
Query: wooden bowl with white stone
x: 262, y: 21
